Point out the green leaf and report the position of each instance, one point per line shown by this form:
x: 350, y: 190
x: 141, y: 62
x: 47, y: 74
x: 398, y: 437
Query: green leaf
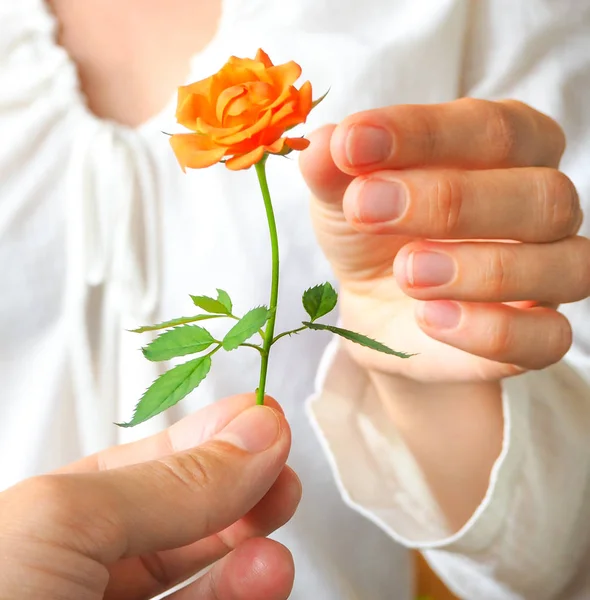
x: 211, y: 305
x: 320, y: 99
x: 174, y: 323
x: 180, y: 341
x: 223, y: 297
x: 319, y: 300
x: 246, y: 327
x: 357, y: 338
x: 169, y: 389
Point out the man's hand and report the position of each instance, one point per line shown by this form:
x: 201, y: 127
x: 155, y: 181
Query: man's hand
x: 131, y: 522
x: 414, y: 187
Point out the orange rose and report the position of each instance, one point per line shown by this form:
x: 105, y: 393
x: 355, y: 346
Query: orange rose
x: 241, y: 113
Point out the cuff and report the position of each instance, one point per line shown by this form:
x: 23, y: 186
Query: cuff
x: 377, y: 474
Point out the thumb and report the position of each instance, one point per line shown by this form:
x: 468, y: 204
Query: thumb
x: 173, y: 501
x: 325, y: 180
x: 353, y: 255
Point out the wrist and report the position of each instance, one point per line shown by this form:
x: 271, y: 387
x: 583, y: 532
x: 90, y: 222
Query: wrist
x: 409, y: 402
x: 453, y: 430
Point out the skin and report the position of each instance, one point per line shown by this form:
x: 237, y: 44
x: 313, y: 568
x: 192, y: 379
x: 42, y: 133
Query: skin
x: 133, y: 74
x: 468, y: 170
x: 131, y: 522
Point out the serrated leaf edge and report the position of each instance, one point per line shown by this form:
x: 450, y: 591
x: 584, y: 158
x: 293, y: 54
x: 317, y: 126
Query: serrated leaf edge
x: 314, y: 287
x: 176, y: 322
x: 215, y: 300
x: 340, y: 331
x: 177, y: 328
x: 200, y: 358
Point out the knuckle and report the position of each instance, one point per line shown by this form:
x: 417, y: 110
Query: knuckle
x: 445, y: 205
x: 472, y: 105
x: 191, y: 470
x: 500, y: 338
x: 560, y: 204
x: 502, y: 131
x: 499, y: 273
x: 421, y: 122
x: 549, y: 134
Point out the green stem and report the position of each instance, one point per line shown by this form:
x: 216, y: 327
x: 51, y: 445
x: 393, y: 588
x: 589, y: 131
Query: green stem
x: 278, y: 337
x: 274, y: 288
x: 210, y: 354
x: 253, y: 346
x: 243, y: 345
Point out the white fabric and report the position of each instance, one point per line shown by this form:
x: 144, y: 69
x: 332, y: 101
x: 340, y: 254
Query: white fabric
x: 100, y: 231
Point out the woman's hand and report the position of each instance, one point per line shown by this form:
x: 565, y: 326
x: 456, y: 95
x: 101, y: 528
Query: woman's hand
x: 130, y: 522
x: 413, y: 187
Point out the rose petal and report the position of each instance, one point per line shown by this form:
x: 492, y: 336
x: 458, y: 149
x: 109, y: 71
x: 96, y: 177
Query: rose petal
x: 201, y: 88
x: 270, y: 135
x: 260, y: 93
x: 289, y: 117
x: 230, y: 76
x: 238, y: 107
x: 289, y: 94
x: 216, y: 132
x: 297, y: 143
x: 226, y: 97
x: 236, y: 138
x: 257, y: 71
x: 284, y: 75
x: 282, y: 113
x: 276, y: 147
x: 195, y: 151
x: 262, y: 56
x: 245, y: 161
x: 192, y: 108
x: 305, y: 100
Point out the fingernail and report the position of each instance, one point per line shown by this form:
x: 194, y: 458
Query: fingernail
x: 366, y: 145
x: 379, y: 201
x: 440, y: 314
x: 254, y: 430
x: 428, y: 269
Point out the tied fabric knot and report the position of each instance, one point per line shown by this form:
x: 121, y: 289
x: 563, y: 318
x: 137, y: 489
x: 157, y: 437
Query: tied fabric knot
x: 113, y: 269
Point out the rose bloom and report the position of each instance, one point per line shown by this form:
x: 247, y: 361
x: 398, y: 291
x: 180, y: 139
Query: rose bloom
x: 241, y: 113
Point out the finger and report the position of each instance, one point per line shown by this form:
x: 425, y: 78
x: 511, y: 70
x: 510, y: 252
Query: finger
x: 554, y: 273
x: 532, y: 338
x: 186, y: 433
x: 258, y: 569
x: 136, y: 578
x: 473, y: 134
x: 528, y: 204
x: 325, y: 180
x: 342, y: 244
x: 173, y: 501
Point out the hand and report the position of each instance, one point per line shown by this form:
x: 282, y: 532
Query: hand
x: 413, y: 187
x: 134, y: 520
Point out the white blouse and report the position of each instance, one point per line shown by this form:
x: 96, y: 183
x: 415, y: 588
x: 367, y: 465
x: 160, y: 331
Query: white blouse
x: 100, y: 232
